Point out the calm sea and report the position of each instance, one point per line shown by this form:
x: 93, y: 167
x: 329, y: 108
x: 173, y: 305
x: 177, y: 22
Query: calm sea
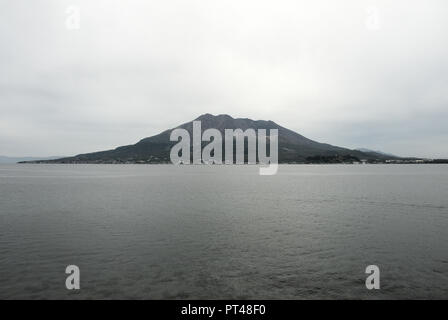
x: 223, y: 232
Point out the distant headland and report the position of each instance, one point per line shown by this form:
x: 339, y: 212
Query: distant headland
x: 293, y: 148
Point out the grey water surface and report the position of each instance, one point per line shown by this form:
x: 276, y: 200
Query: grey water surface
x: 223, y: 232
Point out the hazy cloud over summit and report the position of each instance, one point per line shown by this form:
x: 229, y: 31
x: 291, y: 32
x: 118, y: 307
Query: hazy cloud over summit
x: 351, y: 73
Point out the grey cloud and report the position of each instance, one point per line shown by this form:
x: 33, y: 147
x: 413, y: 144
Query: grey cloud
x: 135, y: 68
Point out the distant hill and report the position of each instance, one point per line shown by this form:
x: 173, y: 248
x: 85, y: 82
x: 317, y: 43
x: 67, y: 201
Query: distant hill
x: 6, y: 160
x: 293, y: 147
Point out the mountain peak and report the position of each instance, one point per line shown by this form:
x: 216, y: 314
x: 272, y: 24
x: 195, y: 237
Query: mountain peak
x: 293, y: 147
x: 208, y: 116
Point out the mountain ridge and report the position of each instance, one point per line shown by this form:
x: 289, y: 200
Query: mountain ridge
x: 293, y: 147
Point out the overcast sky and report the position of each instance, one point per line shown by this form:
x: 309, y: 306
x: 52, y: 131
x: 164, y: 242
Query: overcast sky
x: 355, y: 73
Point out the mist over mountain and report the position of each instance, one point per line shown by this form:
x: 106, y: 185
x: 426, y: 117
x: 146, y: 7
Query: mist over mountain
x: 293, y: 147
x: 366, y: 150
